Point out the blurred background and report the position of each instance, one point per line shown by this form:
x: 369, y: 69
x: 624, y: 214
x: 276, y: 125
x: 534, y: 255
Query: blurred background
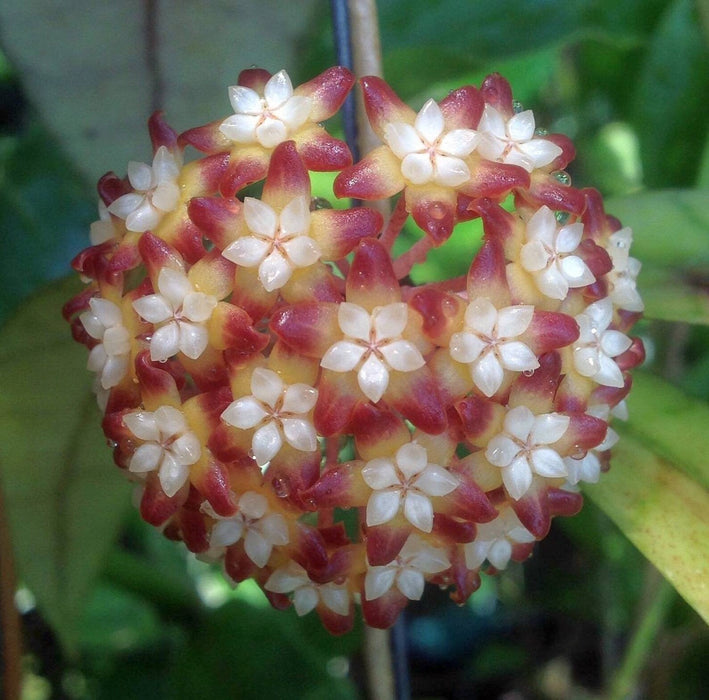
x: 110, y: 609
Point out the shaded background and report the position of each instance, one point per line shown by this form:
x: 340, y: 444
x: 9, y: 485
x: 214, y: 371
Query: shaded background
x: 125, y: 614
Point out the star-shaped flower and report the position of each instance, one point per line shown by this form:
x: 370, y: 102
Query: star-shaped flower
x: 109, y: 358
x: 278, y: 244
x: 373, y: 345
x: 307, y: 595
x: 623, y: 287
x: 155, y: 191
x: 408, y: 480
x: 179, y: 313
x: 512, y: 140
x: 521, y: 450
x: 407, y: 572
x: 277, y: 412
x: 548, y: 255
x: 496, y: 540
x: 488, y: 343
x: 428, y: 151
x: 168, y: 446
x: 598, y: 345
x: 259, y: 529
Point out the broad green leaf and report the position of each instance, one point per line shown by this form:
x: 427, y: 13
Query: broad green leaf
x: 671, y: 424
x: 663, y: 512
x: 64, y: 498
x: 97, y: 70
x: 669, y: 296
x: 671, y: 97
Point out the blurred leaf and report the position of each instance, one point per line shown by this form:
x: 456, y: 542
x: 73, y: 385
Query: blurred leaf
x: 671, y: 98
x: 42, y: 201
x: 64, y: 501
x: 253, y: 653
x: 96, y: 71
x: 669, y: 296
x: 663, y: 512
x: 671, y: 424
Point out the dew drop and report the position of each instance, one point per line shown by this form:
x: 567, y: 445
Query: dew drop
x: 577, y: 452
x: 528, y: 372
x: 281, y: 486
x: 541, y: 131
x: 562, y: 216
x: 563, y: 177
x: 111, y: 443
x: 309, y: 504
x: 517, y: 106
x: 317, y: 203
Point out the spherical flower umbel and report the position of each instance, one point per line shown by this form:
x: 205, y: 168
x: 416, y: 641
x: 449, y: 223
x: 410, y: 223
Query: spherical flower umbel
x: 294, y: 404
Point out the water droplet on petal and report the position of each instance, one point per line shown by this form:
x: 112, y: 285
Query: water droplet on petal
x: 111, y: 443
x: 528, y: 372
x: 562, y: 216
x: 563, y: 177
x: 577, y: 452
x: 517, y: 106
x: 541, y: 131
x: 281, y: 486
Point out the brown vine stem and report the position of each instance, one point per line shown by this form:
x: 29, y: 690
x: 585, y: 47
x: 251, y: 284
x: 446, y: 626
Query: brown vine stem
x: 9, y: 617
x: 367, y: 60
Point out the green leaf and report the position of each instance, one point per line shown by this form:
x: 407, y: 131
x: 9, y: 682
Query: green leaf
x: 98, y: 70
x: 663, y: 512
x: 671, y: 97
x: 671, y: 424
x: 671, y: 239
x: 64, y: 499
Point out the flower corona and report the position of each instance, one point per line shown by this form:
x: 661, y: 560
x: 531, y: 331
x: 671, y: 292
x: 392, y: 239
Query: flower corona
x: 292, y: 405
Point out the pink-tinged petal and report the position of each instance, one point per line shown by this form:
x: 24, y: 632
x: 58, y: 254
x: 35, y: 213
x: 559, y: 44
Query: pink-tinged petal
x: 382, y: 612
x: 550, y: 330
x: 371, y: 281
x: 327, y: 91
x: 415, y: 395
x: 385, y: 542
x: 308, y: 328
x: 246, y: 166
x: 158, y: 255
x: 462, y: 108
x: 441, y: 313
x: 338, y: 487
x: 212, y: 480
x: 533, y: 511
x: 383, y: 506
x: 493, y: 180
x: 231, y: 327
x: 213, y: 275
x: 287, y: 177
x: 158, y: 387
x: 378, y: 431
x: 207, y: 139
x: 338, y: 395
x: 320, y: 151
x: 338, y: 231
x: 156, y: 507
x: 486, y: 277
x: 216, y: 217
x: 250, y: 295
x: 376, y: 176
x: 418, y: 510
x: 433, y: 209
x: 383, y: 105
x: 315, y: 283
x: 546, y: 190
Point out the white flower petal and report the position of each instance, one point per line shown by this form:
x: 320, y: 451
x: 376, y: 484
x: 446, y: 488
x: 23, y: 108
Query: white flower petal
x: 165, y: 196
x: 299, y: 398
x: 403, y: 139
x: 244, y: 100
x: 354, y: 321
x: 492, y: 122
x: 587, y: 361
x: 534, y: 256
x: 466, y: 347
x: 458, y: 142
x: 97, y: 358
x: 487, y: 373
x: 411, y: 583
x: 613, y: 343
x: 411, y: 458
x: 514, y: 320
x: 194, y: 339
x: 547, y: 462
x: 300, y: 434
x: 343, y: 356
x: 267, y: 386
x: 295, y: 112
x: 435, y: 480
x: 125, y: 204
x: 501, y: 450
x: 418, y: 510
x: 244, y: 413
x: 154, y: 308
x: 114, y: 370
x: 253, y: 505
x: 274, y: 271
x: 417, y: 168
x: 609, y: 374
x: 576, y: 271
x: 337, y: 598
x: 247, y: 251
x: 481, y: 317
x: 287, y: 578
x: 552, y: 283
x: 198, y: 306
x: 257, y: 547
x: 170, y: 421
x: 450, y: 171
x: 174, y: 286
x: 260, y: 218
x: 373, y: 378
x: 499, y: 553
x: 305, y: 600
x: 143, y: 425
x: 516, y: 356
x: 382, y: 506
x: 271, y: 132
x: 568, y: 238
x: 186, y: 449
x: 520, y: 127
x: 106, y: 312
x: 240, y: 128
x: 517, y: 478
x: 274, y: 528
x: 226, y: 532
x: 390, y: 321
x: 519, y: 422
x: 476, y: 553
x: 295, y: 216
x: 266, y: 443
x: 140, y: 176
x: 172, y: 474
x: 278, y: 89
x: 402, y: 356
x: 146, y: 458
x: 429, y: 121
x: 549, y: 428
x: 302, y: 251
x: 380, y: 473
x: 116, y: 341
x: 378, y: 580
x: 540, y: 152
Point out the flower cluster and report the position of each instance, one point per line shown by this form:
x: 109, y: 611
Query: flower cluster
x: 292, y: 405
